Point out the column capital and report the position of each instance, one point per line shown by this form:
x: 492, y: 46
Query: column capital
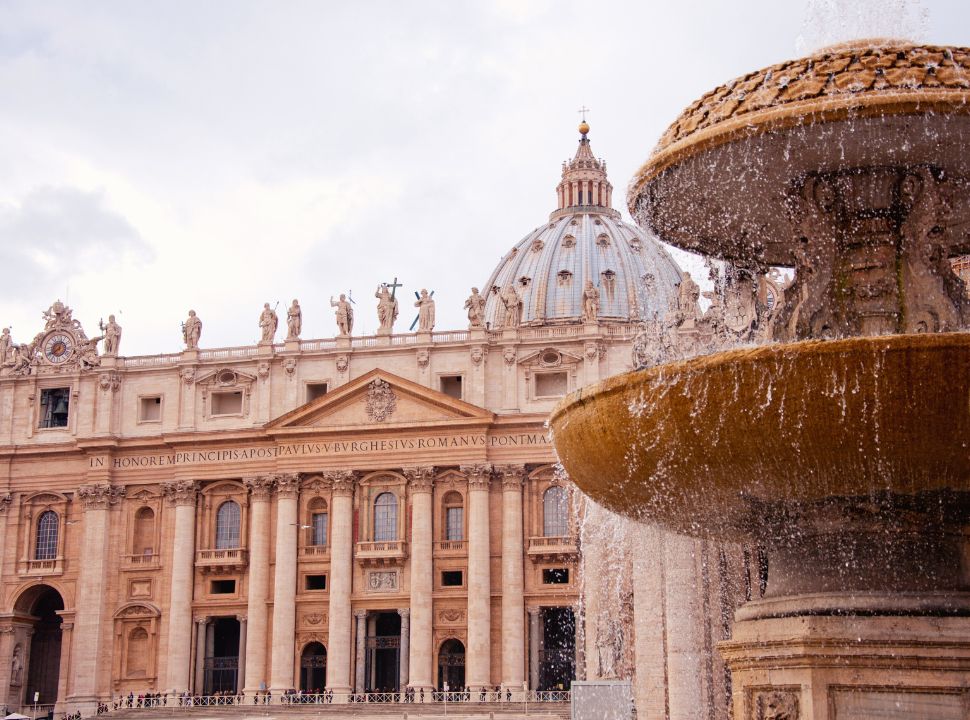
x: 405, y: 613
x: 421, y: 479
x: 360, y: 614
x: 180, y: 492
x: 200, y: 620
x: 241, y: 618
x: 533, y: 610
x: 511, y: 475
x: 288, y: 485
x: 99, y: 496
x: 479, y: 475
x: 343, y: 481
x: 5, y: 501
x: 260, y: 486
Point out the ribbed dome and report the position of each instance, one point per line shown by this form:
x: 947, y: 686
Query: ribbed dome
x: 584, y: 240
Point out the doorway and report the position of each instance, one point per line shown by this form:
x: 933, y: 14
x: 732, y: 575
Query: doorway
x: 44, y: 654
x: 222, y: 656
x: 384, y: 653
x: 451, y: 665
x: 557, y: 658
x: 313, y: 668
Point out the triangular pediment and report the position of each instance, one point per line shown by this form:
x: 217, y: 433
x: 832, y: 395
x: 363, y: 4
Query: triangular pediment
x: 378, y: 399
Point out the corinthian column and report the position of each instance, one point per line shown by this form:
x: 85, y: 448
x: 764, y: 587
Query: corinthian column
x: 260, y: 489
x: 405, y: 647
x: 341, y: 574
x: 181, y: 494
x: 513, y: 609
x: 284, y: 589
x: 88, y: 626
x: 477, y: 660
x: 422, y: 581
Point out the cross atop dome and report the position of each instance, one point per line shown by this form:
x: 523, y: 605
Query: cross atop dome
x: 584, y: 183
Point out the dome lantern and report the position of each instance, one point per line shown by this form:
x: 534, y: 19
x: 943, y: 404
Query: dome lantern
x: 584, y: 183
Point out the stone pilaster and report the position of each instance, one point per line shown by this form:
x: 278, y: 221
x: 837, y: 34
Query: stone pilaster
x: 5, y: 500
x: 405, y: 646
x: 341, y: 575
x: 513, y: 610
x: 66, y: 668
x: 359, y: 664
x: 421, y: 652
x: 89, y: 629
x: 243, y: 647
x: 257, y: 632
x: 181, y: 494
x: 201, y: 624
x: 535, y: 640
x: 284, y: 589
x: 478, y: 654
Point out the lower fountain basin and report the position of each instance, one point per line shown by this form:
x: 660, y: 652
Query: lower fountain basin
x: 714, y: 445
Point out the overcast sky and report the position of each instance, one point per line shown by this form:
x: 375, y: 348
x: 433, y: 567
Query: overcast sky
x: 161, y: 156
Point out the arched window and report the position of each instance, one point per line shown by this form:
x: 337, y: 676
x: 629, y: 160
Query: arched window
x: 385, y: 517
x: 555, y: 512
x: 319, y: 520
x: 454, y: 516
x: 47, y: 527
x: 137, y: 661
x: 227, y: 526
x: 143, y: 538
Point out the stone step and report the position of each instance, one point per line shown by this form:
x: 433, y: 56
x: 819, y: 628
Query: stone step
x: 381, y: 711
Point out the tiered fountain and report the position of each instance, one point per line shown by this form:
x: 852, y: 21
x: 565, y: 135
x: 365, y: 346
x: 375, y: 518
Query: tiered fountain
x: 843, y: 449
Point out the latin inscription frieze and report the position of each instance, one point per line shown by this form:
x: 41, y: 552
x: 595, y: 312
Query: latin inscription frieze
x: 323, y: 449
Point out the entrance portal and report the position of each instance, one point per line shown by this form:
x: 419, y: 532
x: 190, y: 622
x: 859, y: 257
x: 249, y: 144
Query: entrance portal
x: 222, y: 656
x: 384, y: 653
x: 41, y: 603
x: 557, y: 659
x: 313, y: 668
x: 451, y: 665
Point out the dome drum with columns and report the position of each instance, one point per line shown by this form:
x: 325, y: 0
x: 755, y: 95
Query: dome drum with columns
x: 584, y: 240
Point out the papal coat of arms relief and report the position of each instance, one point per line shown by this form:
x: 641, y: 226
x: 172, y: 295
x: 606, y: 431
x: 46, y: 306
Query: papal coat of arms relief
x: 381, y: 400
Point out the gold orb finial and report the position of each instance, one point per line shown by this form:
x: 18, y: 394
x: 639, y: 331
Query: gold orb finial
x: 584, y: 127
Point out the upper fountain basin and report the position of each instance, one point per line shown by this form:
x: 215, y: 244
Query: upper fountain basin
x: 717, y: 181
x: 704, y: 446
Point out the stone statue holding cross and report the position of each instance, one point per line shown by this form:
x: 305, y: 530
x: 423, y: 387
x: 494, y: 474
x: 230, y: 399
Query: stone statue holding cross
x: 386, y: 310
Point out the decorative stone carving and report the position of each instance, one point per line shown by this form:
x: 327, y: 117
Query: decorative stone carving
x: 262, y: 370
x: 509, y: 355
x: 188, y: 375
x: 775, y: 705
x: 425, y: 306
x: 423, y: 357
x: 315, y: 618
x: 17, y: 666
x: 288, y: 485
x: 512, y: 303
x: 688, y: 293
x: 591, y: 302
x: 100, y: 496
x: 342, y: 362
x: 477, y: 354
x: 594, y: 350
x: 180, y: 492
x: 479, y: 475
x: 6, y: 345
x: 511, y: 475
x: 294, y: 321
x: 5, y: 501
x: 387, y: 310
x: 260, y: 488
x: 381, y: 400
x: 475, y: 305
x: 421, y: 479
x: 192, y: 331
x: 112, y: 336
x: 382, y: 581
x: 110, y: 380
x: 289, y: 366
x: 269, y: 321
x: 451, y: 615
x: 344, y: 314
x: 61, y: 345
x: 342, y: 481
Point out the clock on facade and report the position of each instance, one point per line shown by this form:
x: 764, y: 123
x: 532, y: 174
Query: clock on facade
x: 58, y: 347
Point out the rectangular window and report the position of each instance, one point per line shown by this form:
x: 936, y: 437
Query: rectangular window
x: 555, y: 576
x: 315, y: 582
x: 455, y: 523
x: 222, y: 587
x: 54, y: 407
x: 315, y: 390
x: 150, y: 409
x: 451, y: 385
x: 451, y: 578
x: 227, y: 403
x: 551, y: 384
x: 319, y: 528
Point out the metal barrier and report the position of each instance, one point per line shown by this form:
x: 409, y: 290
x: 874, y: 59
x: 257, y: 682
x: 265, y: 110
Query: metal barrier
x: 188, y: 702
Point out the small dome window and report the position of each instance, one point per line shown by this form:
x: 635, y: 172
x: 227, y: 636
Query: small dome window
x: 608, y: 282
x: 569, y: 241
x: 565, y: 277
x: 537, y: 245
x: 524, y: 281
x: 603, y: 240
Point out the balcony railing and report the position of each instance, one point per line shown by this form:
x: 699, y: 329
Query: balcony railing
x: 450, y: 547
x: 145, y: 561
x: 54, y: 566
x: 557, y: 546
x: 224, y: 559
x: 382, y: 552
x: 315, y: 551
